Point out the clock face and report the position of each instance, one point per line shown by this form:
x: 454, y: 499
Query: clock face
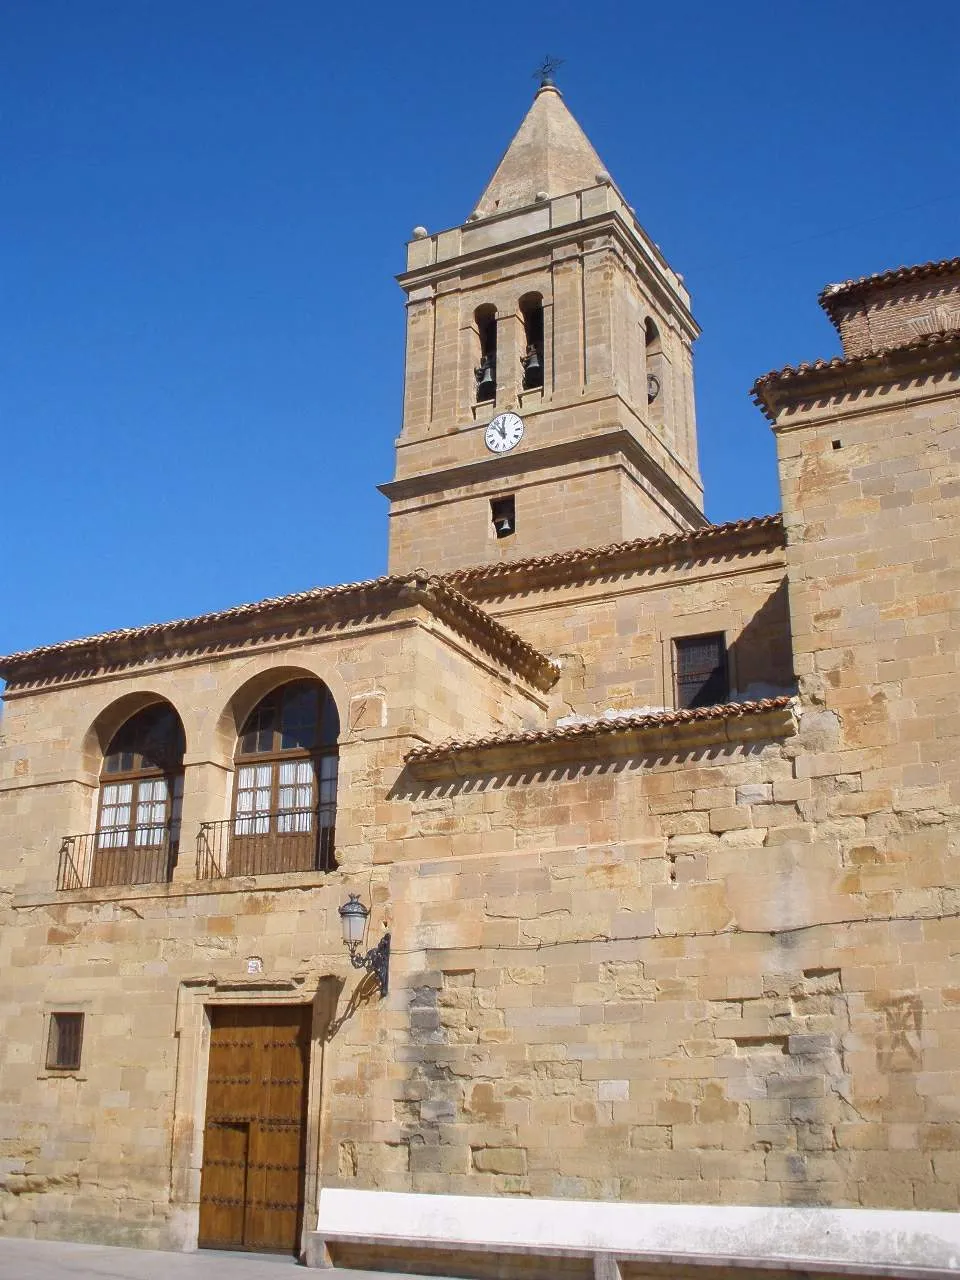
x: 505, y: 431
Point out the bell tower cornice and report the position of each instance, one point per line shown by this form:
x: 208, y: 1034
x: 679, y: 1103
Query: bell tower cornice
x: 574, y: 219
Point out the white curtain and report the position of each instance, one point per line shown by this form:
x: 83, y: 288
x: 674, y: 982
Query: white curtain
x: 254, y: 788
x: 295, y: 796
x: 151, y: 812
x: 115, y: 815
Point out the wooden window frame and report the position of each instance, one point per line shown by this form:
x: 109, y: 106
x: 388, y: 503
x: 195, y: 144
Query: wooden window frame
x: 322, y: 821
x: 141, y: 773
x: 56, y: 1021
x: 132, y: 828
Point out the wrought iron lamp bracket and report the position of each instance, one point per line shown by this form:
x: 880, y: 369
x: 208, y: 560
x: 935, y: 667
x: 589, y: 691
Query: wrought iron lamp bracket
x: 375, y: 961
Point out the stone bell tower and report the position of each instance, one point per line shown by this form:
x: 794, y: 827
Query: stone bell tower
x: 548, y: 398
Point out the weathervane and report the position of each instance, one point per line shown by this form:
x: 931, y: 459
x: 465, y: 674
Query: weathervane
x: 546, y: 69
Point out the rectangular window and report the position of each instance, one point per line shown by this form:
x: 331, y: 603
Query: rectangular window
x: 65, y: 1041
x: 503, y: 513
x: 700, y: 667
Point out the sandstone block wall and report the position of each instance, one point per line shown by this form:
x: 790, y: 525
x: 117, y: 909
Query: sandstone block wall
x: 662, y: 974
x: 673, y: 984
x: 614, y: 634
x: 871, y: 508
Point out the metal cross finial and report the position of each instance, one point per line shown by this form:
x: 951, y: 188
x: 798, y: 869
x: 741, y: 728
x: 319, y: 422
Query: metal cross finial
x: 546, y: 69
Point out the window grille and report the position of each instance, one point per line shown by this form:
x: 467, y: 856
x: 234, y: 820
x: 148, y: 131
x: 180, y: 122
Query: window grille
x: 65, y: 1041
x: 701, y: 671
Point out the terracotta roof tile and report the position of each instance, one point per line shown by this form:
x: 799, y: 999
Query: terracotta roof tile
x: 696, y: 541
x: 601, y: 727
x: 132, y: 643
x: 833, y: 295
x: 810, y: 370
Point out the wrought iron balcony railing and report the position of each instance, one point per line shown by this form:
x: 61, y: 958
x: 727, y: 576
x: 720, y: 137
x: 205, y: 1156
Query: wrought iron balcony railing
x: 117, y: 855
x: 259, y: 844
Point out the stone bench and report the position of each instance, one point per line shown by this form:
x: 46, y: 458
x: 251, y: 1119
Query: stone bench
x: 503, y: 1238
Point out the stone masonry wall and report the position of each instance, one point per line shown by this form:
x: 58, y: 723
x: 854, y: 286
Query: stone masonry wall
x: 91, y: 1154
x: 677, y: 982
x: 665, y: 975
x: 613, y: 633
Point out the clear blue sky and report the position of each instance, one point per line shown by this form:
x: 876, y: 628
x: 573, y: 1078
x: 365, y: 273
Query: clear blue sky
x: 205, y: 203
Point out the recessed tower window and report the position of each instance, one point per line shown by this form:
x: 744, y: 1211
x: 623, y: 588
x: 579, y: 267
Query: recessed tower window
x: 503, y: 513
x: 486, y: 371
x: 531, y: 311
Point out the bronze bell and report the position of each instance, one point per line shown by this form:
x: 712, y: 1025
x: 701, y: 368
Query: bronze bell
x: 532, y: 369
x: 486, y: 385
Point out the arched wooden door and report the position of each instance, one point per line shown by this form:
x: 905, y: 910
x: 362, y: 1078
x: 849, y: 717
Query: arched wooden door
x: 252, y: 1183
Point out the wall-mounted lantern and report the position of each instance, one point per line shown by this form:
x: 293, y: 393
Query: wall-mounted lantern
x: 353, y: 919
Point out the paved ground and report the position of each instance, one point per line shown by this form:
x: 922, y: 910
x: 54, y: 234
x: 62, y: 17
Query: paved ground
x: 52, y: 1260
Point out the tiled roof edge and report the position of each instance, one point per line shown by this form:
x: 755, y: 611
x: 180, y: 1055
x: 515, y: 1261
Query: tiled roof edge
x: 835, y: 295
x: 601, y: 727
x: 663, y: 546
x: 810, y: 370
x: 501, y: 641
x: 438, y: 595
x: 186, y: 626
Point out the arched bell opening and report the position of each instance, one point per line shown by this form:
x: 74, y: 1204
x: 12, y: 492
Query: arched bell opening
x: 485, y: 319
x: 531, y: 313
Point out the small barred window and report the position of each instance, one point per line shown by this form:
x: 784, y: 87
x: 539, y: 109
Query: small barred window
x: 701, y: 671
x: 65, y: 1041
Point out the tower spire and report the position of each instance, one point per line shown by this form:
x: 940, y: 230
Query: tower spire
x: 549, y: 156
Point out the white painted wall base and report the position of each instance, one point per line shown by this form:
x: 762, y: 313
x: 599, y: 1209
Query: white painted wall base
x: 855, y: 1241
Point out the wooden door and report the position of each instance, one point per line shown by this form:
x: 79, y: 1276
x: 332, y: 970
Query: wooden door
x: 251, y: 1187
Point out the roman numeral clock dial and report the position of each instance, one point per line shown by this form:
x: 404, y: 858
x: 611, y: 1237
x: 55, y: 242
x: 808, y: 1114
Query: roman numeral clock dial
x: 503, y: 433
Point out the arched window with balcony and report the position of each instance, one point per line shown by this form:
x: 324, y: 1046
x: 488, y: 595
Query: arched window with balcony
x: 531, y: 313
x: 138, y: 808
x: 485, y: 319
x: 285, y: 783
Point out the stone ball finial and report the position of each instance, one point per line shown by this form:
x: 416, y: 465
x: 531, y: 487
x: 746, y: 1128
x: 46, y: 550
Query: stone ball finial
x: 420, y: 233
x: 541, y: 196
x: 473, y: 217
x: 603, y: 176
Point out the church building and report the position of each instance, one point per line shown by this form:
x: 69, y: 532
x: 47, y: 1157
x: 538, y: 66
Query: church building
x: 583, y: 896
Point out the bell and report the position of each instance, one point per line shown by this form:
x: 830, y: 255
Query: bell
x: 486, y: 386
x: 532, y: 369
x: 503, y: 526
